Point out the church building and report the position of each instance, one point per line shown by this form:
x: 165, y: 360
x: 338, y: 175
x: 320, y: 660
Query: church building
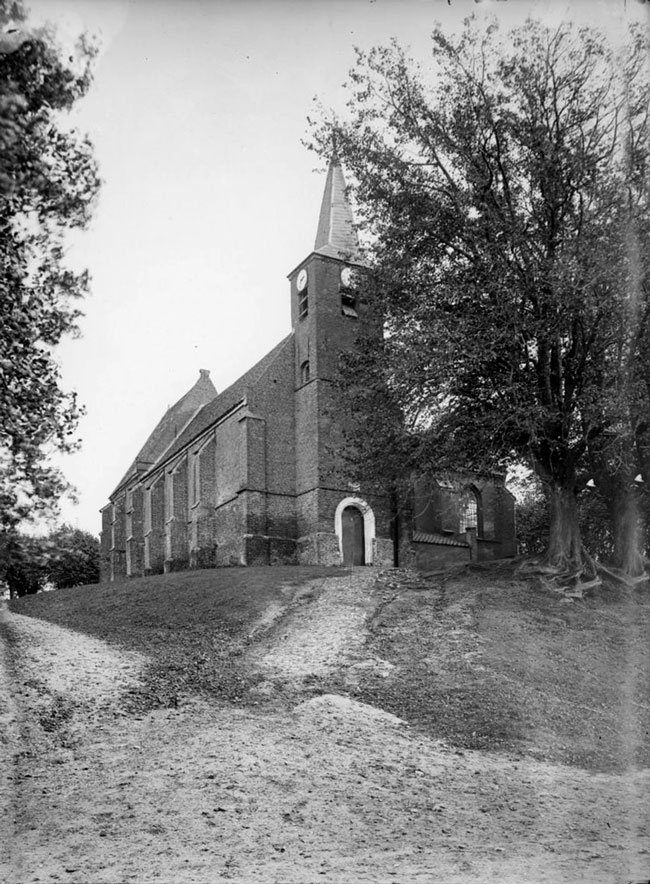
x: 255, y: 475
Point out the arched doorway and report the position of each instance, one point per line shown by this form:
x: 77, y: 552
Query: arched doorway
x: 354, y: 525
x: 353, y: 535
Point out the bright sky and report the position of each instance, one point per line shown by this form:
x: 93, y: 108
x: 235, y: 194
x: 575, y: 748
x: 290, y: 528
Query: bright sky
x: 209, y: 199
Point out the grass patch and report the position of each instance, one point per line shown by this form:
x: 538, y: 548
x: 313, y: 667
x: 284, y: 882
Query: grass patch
x: 193, y: 625
x: 488, y: 662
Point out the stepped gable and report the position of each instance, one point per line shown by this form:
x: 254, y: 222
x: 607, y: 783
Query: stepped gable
x: 172, y: 423
x: 336, y: 236
x: 224, y: 402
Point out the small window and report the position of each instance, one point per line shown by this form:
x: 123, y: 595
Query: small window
x: 349, y: 304
x: 348, y: 289
x: 303, y: 304
x: 304, y: 372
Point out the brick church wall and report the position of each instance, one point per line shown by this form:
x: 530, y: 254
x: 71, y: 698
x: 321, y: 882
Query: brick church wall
x: 306, y: 436
x: 252, y: 447
x: 228, y: 511
x: 271, y: 465
x: 385, y: 530
x: 281, y: 529
x: 307, y: 506
x: 203, y: 540
x: 505, y: 509
x: 155, y: 538
x: 489, y: 542
x: 178, y: 556
x: 228, y: 464
x: 118, y: 546
x: 256, y: 541
x: 135, y: 534
x: 229, y: 518
x: 489, y: 494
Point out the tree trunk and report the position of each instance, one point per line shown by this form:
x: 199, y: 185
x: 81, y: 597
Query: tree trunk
x: 626, y: 531
x: 564, y: 553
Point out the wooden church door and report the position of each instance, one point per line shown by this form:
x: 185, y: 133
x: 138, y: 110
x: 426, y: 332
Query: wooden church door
x: 353, y: 536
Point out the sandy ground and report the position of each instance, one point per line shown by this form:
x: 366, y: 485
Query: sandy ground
x: 331, y: 790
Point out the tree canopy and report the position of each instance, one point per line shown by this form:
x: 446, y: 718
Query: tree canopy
x: 504, y: 194
x: 48, y: 183
x: 66, y: 556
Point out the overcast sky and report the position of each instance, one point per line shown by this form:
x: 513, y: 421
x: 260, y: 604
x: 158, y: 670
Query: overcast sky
x: 197, y: 113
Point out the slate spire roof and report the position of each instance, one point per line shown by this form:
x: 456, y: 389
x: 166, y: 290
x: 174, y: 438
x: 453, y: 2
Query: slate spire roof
x: 336, y: 236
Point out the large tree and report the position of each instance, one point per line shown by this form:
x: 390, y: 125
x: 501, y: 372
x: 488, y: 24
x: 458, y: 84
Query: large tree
x: 48, y: 182
x: 504, y: 193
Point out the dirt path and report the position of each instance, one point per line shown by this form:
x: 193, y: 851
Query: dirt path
x: 333, y: 790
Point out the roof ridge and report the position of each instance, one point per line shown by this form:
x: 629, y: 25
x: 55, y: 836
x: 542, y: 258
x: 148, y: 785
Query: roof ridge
x: 272, y: 355
x: 228, y: 399
x: 194, y: 414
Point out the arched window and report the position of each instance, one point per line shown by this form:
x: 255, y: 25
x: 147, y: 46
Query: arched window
x: 169, y: 496
x: 196, y: 479
x: 469, y: 510
x: 304, y: 372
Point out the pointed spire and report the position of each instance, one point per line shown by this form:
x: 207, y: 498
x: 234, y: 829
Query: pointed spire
x: 336, y: 236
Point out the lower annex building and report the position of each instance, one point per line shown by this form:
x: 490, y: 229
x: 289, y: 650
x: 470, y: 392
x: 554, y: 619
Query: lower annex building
x: 254, y: 475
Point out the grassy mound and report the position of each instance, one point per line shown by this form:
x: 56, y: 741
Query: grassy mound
x: 482, y: 660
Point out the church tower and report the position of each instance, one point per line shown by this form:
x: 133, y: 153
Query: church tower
x: 326, y: 316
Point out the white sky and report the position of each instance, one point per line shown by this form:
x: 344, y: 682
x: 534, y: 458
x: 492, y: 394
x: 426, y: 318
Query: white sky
x: 209, y: 199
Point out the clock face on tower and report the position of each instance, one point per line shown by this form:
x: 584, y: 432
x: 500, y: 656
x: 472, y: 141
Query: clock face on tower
x: 348, y: 278
x: 301, y: 281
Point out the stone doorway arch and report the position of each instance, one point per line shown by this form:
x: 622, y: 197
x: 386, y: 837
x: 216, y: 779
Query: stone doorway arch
x: 354, y: 525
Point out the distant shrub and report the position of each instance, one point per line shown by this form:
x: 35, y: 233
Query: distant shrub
x: 22, y: 563
x: 65, y: 557
x: 73, y: 557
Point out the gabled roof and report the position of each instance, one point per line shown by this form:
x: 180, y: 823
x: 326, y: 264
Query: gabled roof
x: 336, y: 236
x: 171, y: 424
x: 213, y: 411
